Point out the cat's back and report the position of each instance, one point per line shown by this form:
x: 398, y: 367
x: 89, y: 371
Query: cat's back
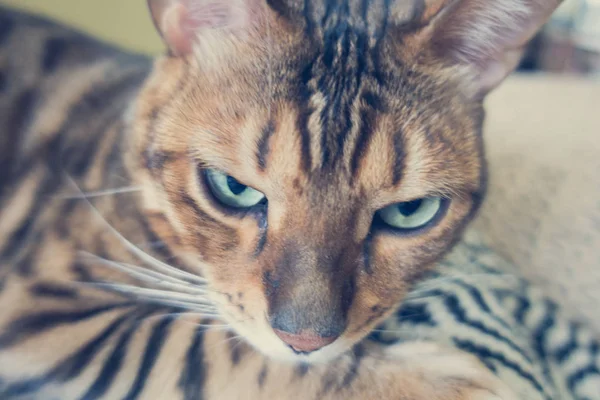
x: 56, y: 82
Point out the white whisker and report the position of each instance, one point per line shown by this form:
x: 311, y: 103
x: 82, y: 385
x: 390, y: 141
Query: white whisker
x: 186, y: 314
x: 143, y: 256
x: 217, y: 328
x: 149, y: 276
x: 239, y: 338
x: 99, y: 193
x: 151, y: 294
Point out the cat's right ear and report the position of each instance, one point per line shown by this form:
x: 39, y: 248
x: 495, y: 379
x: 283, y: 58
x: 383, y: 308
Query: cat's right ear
x: 181, y: 22
x: 487, y: 38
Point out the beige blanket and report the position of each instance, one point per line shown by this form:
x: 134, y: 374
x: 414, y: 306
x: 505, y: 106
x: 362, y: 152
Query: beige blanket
x: 543, y: 206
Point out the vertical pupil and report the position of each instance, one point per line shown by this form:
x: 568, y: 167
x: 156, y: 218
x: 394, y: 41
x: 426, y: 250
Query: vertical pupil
x: 235, y: 187
x: 410, y: 207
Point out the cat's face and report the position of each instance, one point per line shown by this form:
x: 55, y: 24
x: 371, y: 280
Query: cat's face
x: 311, y: 175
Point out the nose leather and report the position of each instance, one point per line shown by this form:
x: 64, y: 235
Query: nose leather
x: 305, y: 341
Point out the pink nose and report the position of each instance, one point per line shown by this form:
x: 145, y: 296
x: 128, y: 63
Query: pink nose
x: 306, y: 341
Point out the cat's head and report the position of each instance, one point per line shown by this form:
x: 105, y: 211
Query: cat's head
x: 316, y: 157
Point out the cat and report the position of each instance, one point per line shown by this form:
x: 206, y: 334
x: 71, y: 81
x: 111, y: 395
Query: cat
x: 273, y: 209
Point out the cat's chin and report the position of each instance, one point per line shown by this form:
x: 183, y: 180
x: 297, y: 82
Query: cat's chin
x: 286, y: 355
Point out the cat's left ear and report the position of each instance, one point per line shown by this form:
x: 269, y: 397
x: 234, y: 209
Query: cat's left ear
x: 181, y: 23
x: 488, y: 37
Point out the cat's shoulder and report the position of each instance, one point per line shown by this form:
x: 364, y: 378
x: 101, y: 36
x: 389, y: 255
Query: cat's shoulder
x: 56, y: 80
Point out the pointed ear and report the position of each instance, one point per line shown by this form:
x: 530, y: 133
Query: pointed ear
x: 181, y: 22
x: 488, y: 37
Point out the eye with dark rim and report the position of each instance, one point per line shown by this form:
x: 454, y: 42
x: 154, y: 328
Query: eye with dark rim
x: 412, y: 216
x: 231, y: 194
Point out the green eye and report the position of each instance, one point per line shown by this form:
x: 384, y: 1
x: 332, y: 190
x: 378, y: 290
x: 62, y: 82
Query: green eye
x: 411, y: 215
x: 231, y: 192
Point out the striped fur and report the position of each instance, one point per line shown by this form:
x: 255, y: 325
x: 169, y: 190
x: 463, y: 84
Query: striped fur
x: 121, y: 278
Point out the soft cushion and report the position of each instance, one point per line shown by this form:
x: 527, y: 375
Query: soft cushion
x: 543, y: 205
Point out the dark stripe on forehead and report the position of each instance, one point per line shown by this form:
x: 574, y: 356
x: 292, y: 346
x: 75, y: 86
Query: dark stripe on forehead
x: 321, y: 16
x: 399, y: 158
x: 344, y: 61
x: 380, y: 32
x: 374, y: 104
x: 367, y: 120
x: 262, y: 152
x: 308, y: 11
x: 339, y: 79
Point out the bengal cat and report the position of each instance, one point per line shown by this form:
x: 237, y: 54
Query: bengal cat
x: 267, y: 210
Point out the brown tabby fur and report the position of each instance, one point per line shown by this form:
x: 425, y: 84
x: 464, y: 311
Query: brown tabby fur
x: 330, y: 131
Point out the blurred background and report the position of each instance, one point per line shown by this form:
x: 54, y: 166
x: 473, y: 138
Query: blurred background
x: 571, y: 41
x: 123, y: 22
x: 569, y: 44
